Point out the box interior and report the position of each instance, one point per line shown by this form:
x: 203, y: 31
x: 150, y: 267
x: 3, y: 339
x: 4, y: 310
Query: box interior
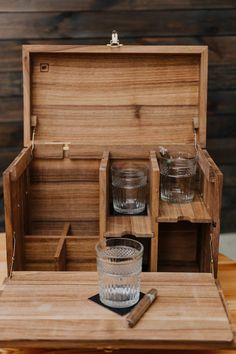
x: 58, y: 220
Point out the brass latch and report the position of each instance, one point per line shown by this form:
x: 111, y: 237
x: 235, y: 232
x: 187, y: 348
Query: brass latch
x: 114, y: 42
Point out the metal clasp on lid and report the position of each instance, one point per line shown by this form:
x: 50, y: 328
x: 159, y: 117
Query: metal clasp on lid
x: 114, y: 42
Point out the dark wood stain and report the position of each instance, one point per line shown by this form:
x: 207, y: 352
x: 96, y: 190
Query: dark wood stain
x: 146, y: 22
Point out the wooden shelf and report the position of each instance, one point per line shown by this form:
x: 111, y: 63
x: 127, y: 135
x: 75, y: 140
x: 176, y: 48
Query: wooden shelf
x: 139, y: 226
x: 193, y: 212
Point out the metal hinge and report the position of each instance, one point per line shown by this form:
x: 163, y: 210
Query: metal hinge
x: 114, y: 42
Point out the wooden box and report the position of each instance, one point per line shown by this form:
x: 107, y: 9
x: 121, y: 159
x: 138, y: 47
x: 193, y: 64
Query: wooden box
x: 84, y: 108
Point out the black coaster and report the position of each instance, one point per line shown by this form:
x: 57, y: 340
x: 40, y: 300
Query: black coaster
x: 122, y: 311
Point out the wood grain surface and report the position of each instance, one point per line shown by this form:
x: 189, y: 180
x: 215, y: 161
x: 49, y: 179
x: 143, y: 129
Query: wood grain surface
x: 42, y: 309
x: 135, y: 102
x: 183, y: 22
x: 226, y: 273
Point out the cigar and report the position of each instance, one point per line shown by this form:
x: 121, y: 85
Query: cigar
x: 137, y: 312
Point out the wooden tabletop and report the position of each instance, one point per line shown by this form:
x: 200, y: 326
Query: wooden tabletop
x: 227, y: 277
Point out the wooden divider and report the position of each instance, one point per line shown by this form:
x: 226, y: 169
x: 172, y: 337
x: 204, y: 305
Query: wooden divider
x: 60, y: 254
x: 140, y: 226
x: 154, y: 208
x: 103, y: 193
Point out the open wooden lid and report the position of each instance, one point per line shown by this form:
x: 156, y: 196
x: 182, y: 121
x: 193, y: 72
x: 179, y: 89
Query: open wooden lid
x: 128, y: 95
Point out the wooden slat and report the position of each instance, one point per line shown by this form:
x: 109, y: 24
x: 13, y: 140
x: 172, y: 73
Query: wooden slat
x: 73, y: 277
x: 52, y: 309
x: 90, y: 5
x: 78, y: 228
x: 152, y: 23
x: 193, y: 212
x: 65, y: 201
x: 139, y: 226
x: 64, y: 170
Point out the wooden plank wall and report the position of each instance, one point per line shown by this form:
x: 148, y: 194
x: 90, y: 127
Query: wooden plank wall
x: 207, y: 22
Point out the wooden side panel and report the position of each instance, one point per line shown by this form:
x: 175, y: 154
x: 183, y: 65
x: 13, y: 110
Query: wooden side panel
x: 16, y: 185
x: 141, y: 97
x: 8, y: 217
x: 212, y: 195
